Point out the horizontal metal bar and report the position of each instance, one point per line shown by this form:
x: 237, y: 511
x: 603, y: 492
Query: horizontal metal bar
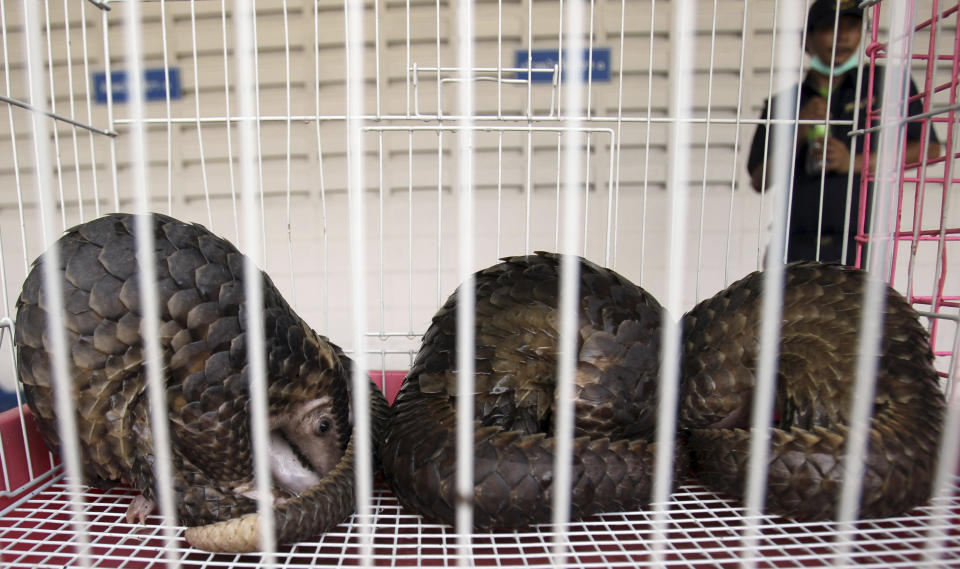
x: 911, y: 118
x: 940, y: 315
x: 484, y: 79
x: 420, y: 119
x: 409, y: 335
x: 450, y: 128
x: 487, y: 69
x: 6, y: 322
x: 31, y: 108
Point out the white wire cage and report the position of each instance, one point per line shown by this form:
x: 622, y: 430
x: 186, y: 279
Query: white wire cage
x: 370, y: 156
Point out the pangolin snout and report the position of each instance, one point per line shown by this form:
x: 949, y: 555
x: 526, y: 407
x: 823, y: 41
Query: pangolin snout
x: 304, y: 444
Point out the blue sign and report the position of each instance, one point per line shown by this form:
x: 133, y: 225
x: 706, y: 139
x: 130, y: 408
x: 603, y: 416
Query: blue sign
x: 154, y: 86
x: 548, y: 58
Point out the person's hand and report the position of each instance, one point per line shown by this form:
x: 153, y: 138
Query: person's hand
x: 838, y: 156
x: 815, y: 109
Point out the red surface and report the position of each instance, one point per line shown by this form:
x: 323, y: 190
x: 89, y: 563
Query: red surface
x: 15, y: 453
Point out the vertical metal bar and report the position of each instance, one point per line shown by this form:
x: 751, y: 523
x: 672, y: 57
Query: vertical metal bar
x: 166, y: 81
x: 589, y: 136
x: 848, y: 206
x: 788, y: 30
x: 73, y: 109
x: 381, y: 239
x: 499, y: 78
x: 736, y: 140
x: 289, y: 151
x: 377, y: 47
x: 355, y: 158
x: 683, y: 39
x: 586, y: 190
x: 227, y: 114
x: 612, y: 201
x: 587, y: 113
x: 259, y: 137
x: 147, y: 282
x: 410, y: 333
x: 13, y: 137
x: 646, y: 150
x: 406, y: 68
x: 529, y: 74
x: 87, y: 90
x: 788, y: 187
x: 612, y: 260
x: 559, y: 76
x: 53, y: 109
x: 197, y: 115
x: 499, y: 189
x: 465, y: 298
x: 439, y: 217
x: 889, y: 173
x: 323, y: 187
x: 559, y: 177
x: 706, y: 154
x: 52, y: 285
x: 245, y: 87
x: 114, y: 178
x: 439, y: 82
x: 528, y: 194
x: 569, y: 280
x: 823, y: 155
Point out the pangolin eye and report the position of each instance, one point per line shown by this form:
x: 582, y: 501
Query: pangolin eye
x: 323, y: 426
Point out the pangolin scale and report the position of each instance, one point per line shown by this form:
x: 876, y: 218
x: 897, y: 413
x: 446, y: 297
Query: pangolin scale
x: 517, y: 324
x: 200, y: 279
x: 822, y: 307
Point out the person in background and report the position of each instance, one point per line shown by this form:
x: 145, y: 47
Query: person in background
x: 810, y: 162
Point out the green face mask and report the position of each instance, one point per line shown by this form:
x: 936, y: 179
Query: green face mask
x: 820, y: 66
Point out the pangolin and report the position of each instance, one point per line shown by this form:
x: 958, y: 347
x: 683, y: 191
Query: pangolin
x: 517, y: 322
x: 822, y: 307
x: 200, y: 280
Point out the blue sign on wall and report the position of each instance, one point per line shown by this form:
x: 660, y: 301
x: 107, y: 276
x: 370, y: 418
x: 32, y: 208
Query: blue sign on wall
x: 548, y: 58
x: 154, y: 86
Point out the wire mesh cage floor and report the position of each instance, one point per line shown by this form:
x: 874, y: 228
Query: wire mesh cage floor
x: 703, y: 530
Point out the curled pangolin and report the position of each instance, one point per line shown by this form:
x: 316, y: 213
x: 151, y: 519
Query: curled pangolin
x: 822, y: 307
x: 517, y: 324
x: 202, y: 335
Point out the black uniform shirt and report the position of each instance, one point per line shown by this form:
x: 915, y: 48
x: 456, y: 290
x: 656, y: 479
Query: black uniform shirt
x: 805, y: 203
